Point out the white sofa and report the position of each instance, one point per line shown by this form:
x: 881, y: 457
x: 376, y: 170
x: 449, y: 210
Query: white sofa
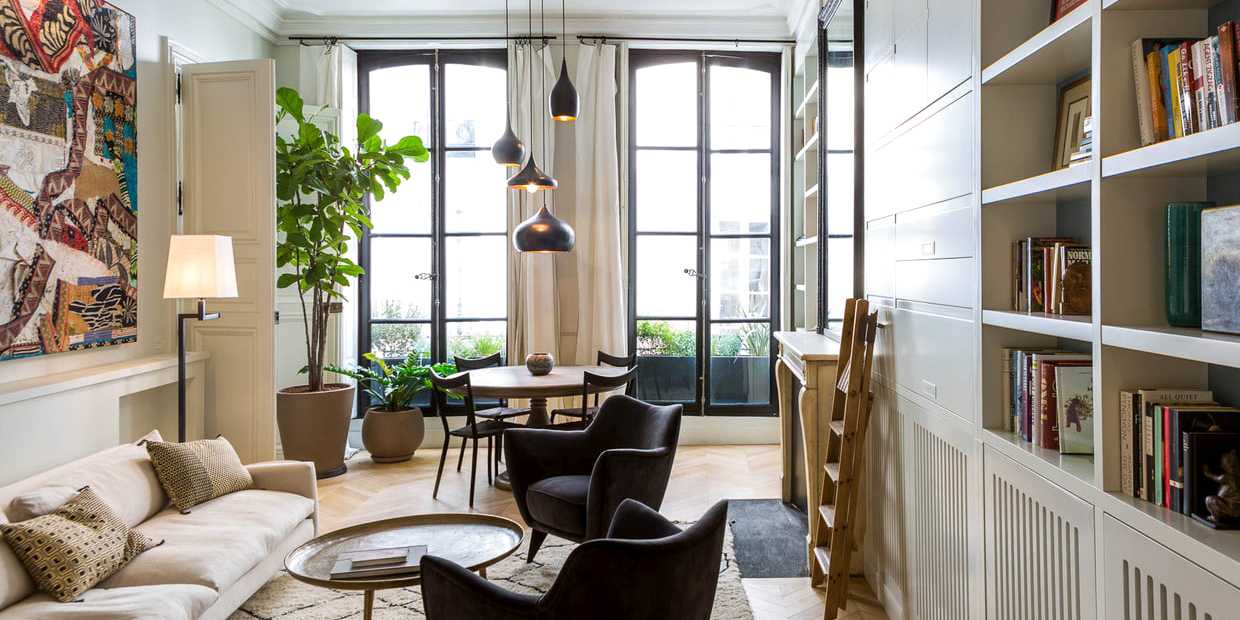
x: 212, y: 560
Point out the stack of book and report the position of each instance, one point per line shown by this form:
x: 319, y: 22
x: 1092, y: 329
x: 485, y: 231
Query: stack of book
x: 1052, y: 274
x: 369, y: 563
x: 1085, y: 150
x: 1159, y: 431
x: 1185, y: 86
x: 1049, y: 397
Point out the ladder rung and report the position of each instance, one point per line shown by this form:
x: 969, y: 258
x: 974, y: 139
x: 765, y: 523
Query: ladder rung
x: 828, y: 514
x: 833, y: 471
x: 837, y: 427
x: 823, y: 556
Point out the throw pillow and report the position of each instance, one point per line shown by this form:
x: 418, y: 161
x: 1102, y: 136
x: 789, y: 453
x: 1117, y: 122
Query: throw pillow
x: 196, y: 471
x: 39, y: 502
x: 70, y: 550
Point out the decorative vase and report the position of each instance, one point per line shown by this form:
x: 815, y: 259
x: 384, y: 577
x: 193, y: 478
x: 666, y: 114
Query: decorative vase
x: 392, y: 436
x: 314, y: 426
x: 539, y: 364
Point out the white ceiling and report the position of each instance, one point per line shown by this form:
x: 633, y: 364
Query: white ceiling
x: 713, y: 8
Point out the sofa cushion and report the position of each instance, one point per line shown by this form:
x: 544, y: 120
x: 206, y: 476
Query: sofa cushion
x: 15, y: 583
x: 70, y: 550
x: 196, y: 471
x: 218, y: 542
x: 40, y: 501
x: 121, y: 476
x: 163, y: 602
x: 560, y: 502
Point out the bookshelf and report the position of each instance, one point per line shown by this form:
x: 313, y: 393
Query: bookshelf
x: 1116, y: 203
x: 805, y: 198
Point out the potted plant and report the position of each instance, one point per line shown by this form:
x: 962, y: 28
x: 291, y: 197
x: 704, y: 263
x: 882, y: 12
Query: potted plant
x: 393, y: 427
x: 322, y: 187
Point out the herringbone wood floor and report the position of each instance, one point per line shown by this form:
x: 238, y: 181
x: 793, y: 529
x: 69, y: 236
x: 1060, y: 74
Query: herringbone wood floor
x: 702, y: 475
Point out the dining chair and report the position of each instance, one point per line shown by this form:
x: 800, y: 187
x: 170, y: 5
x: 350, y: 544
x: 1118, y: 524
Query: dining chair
x: 502, y: 412
x: 474, y: 430
x: 586, y: 412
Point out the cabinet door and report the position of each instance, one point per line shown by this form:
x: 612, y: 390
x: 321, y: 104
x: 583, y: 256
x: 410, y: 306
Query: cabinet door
x: 879, y: 31
x: 879, y: 253
x: 949, y: 47
x: 910, y: 59
x: 935, y: 356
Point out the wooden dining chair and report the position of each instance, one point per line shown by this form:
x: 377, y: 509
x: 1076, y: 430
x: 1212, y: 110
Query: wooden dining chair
x: 474, y: 430
x: 502, y: 412
x: 597, y: 384
x: 604, y: 359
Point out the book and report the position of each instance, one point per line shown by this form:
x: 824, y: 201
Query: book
x: 1146, y: 400
x: 1187, y: 108
x: 1182, y: 266
x: 344, y: 567
x: 1191, y: 419
x: 1208, y: 456
x: 1164, y: 88
x: 1042, y: 413
x: 1127, y: 430
x: 1199, y: 87
x: 1173, y: 79
x: 1074, y: 408
x: 1209, y: 47
x: 1141, y: 80
x: 1075, y: 287
x: 1060, y: 8
x: 1228, y: 69
x: 1153, y: 64
x: 1035, y: 276
x: 1006, y: 370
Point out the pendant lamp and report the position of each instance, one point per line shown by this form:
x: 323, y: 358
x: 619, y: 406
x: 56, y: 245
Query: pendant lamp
x: 509, y: 150
x: 544, y: 232
x: 531, y: 178
x: 563, y: 102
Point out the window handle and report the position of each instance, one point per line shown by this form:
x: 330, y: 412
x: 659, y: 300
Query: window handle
x: 425, y: 276
x: 694, y: 273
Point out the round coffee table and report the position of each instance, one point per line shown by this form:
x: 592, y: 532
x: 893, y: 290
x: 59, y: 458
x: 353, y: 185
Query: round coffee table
x: 474, y: 541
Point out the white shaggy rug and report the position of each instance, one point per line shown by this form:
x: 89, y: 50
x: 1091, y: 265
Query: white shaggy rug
x: 285, y: 598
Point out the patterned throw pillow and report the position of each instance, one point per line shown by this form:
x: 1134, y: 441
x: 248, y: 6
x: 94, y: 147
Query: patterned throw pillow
x: 194, y: 472
x: 70, y: 550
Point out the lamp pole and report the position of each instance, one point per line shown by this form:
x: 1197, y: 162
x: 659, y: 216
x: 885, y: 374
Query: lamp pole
x: 200, y: 315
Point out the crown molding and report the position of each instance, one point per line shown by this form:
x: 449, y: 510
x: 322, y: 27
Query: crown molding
x: 264, y: 17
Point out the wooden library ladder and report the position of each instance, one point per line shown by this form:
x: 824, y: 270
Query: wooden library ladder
x: 850, y: 414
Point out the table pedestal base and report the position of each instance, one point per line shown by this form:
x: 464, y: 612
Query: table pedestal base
x: 536, y: 419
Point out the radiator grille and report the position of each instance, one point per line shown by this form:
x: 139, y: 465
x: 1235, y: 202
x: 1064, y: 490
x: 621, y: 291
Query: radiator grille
x: 938, y: 526
x: 1147, y: 581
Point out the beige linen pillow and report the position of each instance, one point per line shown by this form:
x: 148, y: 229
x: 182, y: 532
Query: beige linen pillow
x: 194, y: 472
x: 70, y: 550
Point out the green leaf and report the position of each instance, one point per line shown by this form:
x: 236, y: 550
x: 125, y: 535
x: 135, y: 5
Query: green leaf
x: 290, y: 101
x: 367, y: 128
x: 286, y: 280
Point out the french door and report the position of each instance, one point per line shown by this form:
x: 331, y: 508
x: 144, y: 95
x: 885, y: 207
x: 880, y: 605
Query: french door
x: 436, y: 255
x: 704, y: 196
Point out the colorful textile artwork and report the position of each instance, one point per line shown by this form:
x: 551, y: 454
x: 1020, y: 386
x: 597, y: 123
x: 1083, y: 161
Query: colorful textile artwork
x: 68, y: 177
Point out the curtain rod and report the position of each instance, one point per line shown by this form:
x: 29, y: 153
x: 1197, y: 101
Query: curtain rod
x: 332, y: 40
x: 604, y: 38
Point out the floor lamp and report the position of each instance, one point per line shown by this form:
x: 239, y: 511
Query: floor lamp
x: 199, y: 267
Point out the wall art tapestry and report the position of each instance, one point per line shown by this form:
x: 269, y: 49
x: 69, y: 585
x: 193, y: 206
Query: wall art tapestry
x: 68, y: 177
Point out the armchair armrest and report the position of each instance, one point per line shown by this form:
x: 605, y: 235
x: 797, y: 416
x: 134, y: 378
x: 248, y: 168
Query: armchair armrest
x: 636, y: 521
x: 622, y: 474
x: 450, y: 592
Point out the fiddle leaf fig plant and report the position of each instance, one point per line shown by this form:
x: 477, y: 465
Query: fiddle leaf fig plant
x: 392, y: 387
x: 322, y: 186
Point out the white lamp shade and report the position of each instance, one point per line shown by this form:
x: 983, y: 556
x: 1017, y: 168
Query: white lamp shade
x: 200, y: 266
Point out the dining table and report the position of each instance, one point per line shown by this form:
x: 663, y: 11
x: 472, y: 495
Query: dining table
x: 510, y: 382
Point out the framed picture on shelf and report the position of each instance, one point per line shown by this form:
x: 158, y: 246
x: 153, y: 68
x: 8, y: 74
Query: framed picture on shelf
x: 1074, y: 108
x: 1220, y: 269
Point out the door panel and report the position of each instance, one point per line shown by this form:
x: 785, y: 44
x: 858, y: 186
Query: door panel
x: 229, y: 147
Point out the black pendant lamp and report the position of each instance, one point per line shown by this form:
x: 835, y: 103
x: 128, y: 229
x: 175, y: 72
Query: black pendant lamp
x: 544, y: 232
x: 509, y: 150
x: 563, y: 102
x: 531, y: 178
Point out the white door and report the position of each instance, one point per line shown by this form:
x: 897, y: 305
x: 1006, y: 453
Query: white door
x: 228, y: 118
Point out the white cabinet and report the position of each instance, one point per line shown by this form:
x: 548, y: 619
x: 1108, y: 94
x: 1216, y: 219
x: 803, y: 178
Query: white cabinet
x: 949, y: 282
x: 943, y: 230
x: 880, y: 237
x: 934, y: 356
x: 949, y: 48
x: 879, y: 31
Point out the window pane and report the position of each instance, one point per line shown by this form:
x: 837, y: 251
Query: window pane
x: 740, y: 108
x: 395, y: 341
x: 667, y: 368
x: 667, y: 191
x: 476, y: 277
x: 666, y: 105
x: 840, y: 174
x: 740, y: 278
x: 477, y: 339
x: 476, y: 191
x: 474, y: 105
x: 839, y: 275
x: 663, y: 288
x: 740, y: 193
x: 394, y: 292
x: 400, y: 98
x: 840, y: 103
x: 408, y: 210
x: 740, y: 363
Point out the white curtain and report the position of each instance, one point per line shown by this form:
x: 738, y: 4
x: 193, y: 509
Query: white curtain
x: 533, y: 312
x: 600, y: 275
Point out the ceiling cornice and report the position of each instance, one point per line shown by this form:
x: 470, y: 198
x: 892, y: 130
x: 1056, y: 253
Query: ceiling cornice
x: 774, y: 26
x: 264, y: 17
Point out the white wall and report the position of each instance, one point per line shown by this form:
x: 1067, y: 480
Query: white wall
x: 213, y: 35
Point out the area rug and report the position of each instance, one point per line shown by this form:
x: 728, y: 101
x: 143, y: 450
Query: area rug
x: 285, y: 598
x: 769, y: 538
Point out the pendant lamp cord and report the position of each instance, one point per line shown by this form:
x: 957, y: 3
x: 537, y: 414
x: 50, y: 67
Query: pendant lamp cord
x: 542, y: 89
x: 507, y: 77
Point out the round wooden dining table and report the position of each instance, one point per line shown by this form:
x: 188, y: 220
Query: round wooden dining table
x: 517, y: 382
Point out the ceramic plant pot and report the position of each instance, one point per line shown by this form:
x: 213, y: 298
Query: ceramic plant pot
x: 539, y: 364
x: 392, y: 436
x: 314, y: 426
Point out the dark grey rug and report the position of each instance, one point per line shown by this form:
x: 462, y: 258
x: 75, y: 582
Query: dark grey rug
x: 769, y: 537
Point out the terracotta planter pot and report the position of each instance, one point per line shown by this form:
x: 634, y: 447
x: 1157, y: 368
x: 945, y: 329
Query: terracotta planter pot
x: 392, y: 436
x: 314, y: 426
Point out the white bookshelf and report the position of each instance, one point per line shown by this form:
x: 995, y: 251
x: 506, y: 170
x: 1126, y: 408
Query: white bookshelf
x: 805, y: 199
x: 1115, y: 203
